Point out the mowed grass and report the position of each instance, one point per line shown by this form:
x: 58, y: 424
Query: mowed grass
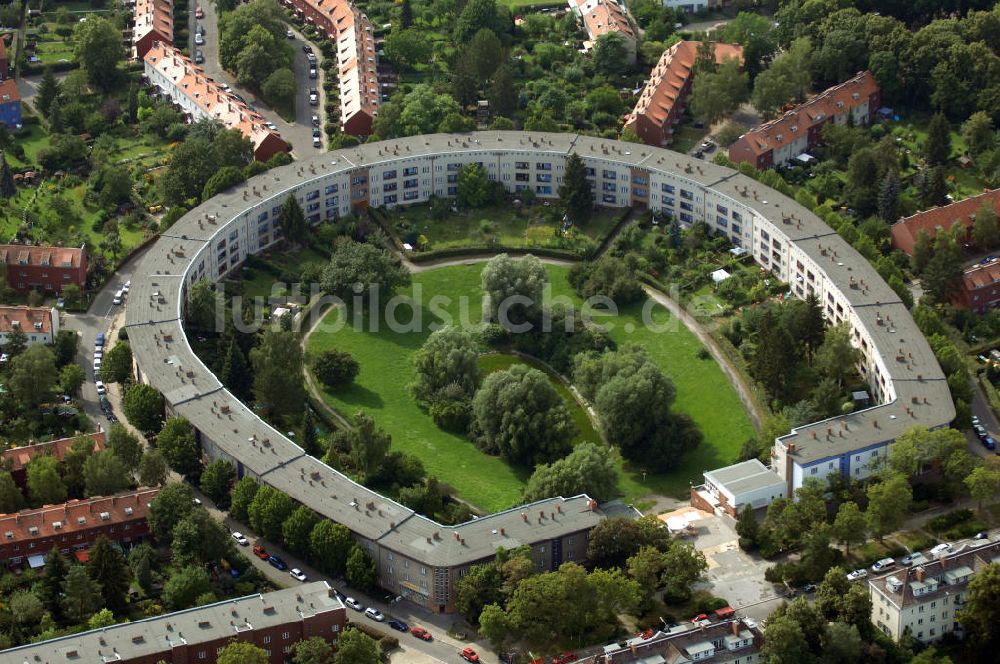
x: 381, y: 389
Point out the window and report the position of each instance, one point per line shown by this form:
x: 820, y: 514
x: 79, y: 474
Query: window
x: 410, y: 184
x: 640, y: 179
x: 389, y: 199
x: 687, y: 194
x: 543, y: 177
x: 543, y: 189
x: 331, y: 189
x: 411, y: 195
x: 267, y: 639
x: 312, y: 207
x: 391, y: 186
x: 608, y: 198
x: 813, y: 471
x: 521, y: 165
x: 668, y: 200
x: 332, y: 201
x: 412, y: 170
x: 452, y: 168
x: 201, y: 654
x: 543, y: 166
x: 262, y: 216
x: 388, y: 175
x: 736, y: 228
x: 667, y: 188
x: 686, y: 218
x: 452, y: 179
x: 687, y: 206
x: 609, y: 175
x: 721, y: 209
x: 359, y: 179
x: 722, y: 221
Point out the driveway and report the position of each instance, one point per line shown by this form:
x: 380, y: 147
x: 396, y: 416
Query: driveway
x: 298, y: 133
x: 27, y: 86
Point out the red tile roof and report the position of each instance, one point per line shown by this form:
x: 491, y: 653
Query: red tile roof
x: 25, y: 318
x: 357, y: 65
x: 22, y: 254
x: 670, y: 76
x: 8, y: 91
x: 17, y: 458
x: 603, y: 16
x: 904, y: 232
x: 77, y: 515
x: 190, y: 81
x: 980, y: 276
x: 153, y: 16
x: 829, y: 103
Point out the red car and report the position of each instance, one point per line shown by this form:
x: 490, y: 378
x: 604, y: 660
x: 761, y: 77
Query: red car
x: 470, y: 655
x: 421, y: 633
x: 260, y: 552
x: 199, y: 13
x: 564, y: 658
x: 698, y: 618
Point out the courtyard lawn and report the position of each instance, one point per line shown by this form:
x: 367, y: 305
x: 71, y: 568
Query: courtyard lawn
x: 381, y: 389
x: 506, y: 226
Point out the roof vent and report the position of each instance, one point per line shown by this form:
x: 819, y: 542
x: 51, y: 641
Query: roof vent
x: 33, y: 530
x: 57, y: 525
x: 129, y: 511
x: 105, y: 516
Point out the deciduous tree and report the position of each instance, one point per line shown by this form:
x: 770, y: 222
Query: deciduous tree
x: 81, y: 594
x: 888, y: 502
x: 125, y: 445
x: 297, y: 529
x: 143, y: 406
x: 588, y: 469
x: 335, y: 368
x: 513, y: 289
x: 361, y: 572
x: 173, y: 503
x: 178, y: 445
x: 576, y: 192
x: 356, y: 647
x: 277, y: 373
x: 269, y: 511
x: 99, y: 51
x: 108, y: 569
x: 217, y: 481
x: 366, y: 264
x: 104, y: 474
x: 45, y: 485
x: 330, y: 545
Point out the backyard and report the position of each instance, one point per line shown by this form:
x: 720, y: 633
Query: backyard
x: 516, y: 227
x: 381, y: 389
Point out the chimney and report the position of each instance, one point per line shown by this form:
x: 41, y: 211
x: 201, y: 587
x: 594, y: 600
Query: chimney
x: 920, y: 573
x: 735, y: 626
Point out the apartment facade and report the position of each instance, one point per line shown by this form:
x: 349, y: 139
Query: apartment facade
x: 962, y: 213
x: 731, y: 641
x: 662, y: 102
x: 30, y: 534
x: 350, y: 31
x: 924, y: 600
x: 198, y: 96
x: 15, y: 460
x: 783, y: 139
x: 273, y: 621
x: 154, y: 22
x: 600, y: 17
x: 214, y: 239
x: 48, y: 269
x: 39, y: 324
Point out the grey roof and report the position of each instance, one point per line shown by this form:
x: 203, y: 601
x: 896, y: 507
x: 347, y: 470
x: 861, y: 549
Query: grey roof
x: 745, y: 476
x: 940, y: 574
x: 153, y: 311
x: 198, y: 625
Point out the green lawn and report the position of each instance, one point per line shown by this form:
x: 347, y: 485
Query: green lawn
x: 499, y: 226
x: 488, y: 482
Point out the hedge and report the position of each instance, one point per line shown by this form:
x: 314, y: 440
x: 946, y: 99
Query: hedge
x: 440, y: 254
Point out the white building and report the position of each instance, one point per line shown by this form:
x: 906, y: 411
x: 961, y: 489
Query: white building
x: 39, y: 324
x: 734, y: 487
x: 925, y: 599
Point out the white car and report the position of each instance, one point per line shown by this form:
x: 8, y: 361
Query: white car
x: 97, y: 364
x: 857, y: 574
x: 270, y: 125
x: 99, y: 354
x: 241, y: 539
x: 942, y: 549
x: 297, y: 574
x: 317, y: 142
x: 226, y: 88
x: 100, y: 387
x: 374, y: 614
x: 289, y: 34
x: 199, y: 40
x: 354, y: 604
x: 883, y: 564
x: 118, y: 297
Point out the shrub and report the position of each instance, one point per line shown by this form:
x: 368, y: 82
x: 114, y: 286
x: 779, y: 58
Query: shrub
x: 948, y: 521
x: 335, y: 368
x: 452, y: 414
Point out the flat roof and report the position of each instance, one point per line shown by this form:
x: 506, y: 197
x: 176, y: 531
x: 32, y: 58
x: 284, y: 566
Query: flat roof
x: 744, y: 477
x: 922, y: 395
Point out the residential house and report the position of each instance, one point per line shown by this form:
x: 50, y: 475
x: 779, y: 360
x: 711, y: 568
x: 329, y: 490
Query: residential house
x: 601, y: 17
x: 201, y: 97
x: 30, y: 534
x: 10, y: 104
x: 15, y: 460
x: 48, y: 269
x: 154, y: 22
x: 273, y: 621
x: 783, y: 139
x: 39, y: 324
x: 904, y: 232
x: 662, y: 101
x: 357, y: 62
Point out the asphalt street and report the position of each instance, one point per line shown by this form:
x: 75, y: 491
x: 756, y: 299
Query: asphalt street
x: 27, y: 86
x: 299, y: 132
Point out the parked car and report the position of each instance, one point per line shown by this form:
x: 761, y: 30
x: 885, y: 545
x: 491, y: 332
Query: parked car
x: 297, y: 574
x: 99, y: 340
x: 989, y: 443
x: 241, y: 539
x: 698, y: 618
x: 313, y: 97
x: 398, y: 625
x: 199, y: 57
x: 809, y: 588
x: 99, y: 354
x: 126, y: 286
x: 101, y: 389
x: 316, y: 133
x: 226, y: 87
x: 261, y: 552
x: 980, y: 431
x: 270, y: 125
x: 199, y: 40
x: 277, y: 563
x: 707, y: 146
x: 119, y: 295
x: 857, y: 575
x: 317, y: 142
x: 306, y: 48
x: 975, y: 420
x: 315, y: 120
x: 470, y: 655
x: 199, y: 29
x: 374, y: 614
x: 354, y: 604
x: 982, y: 535
x: 942, y: 549
x: 421, y: 633
x: 199, y: 12
x: 565, y: 658
x: 883, y: 564
x: 289, y: 34
x: 312, y: 72
x: 97, y: 365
